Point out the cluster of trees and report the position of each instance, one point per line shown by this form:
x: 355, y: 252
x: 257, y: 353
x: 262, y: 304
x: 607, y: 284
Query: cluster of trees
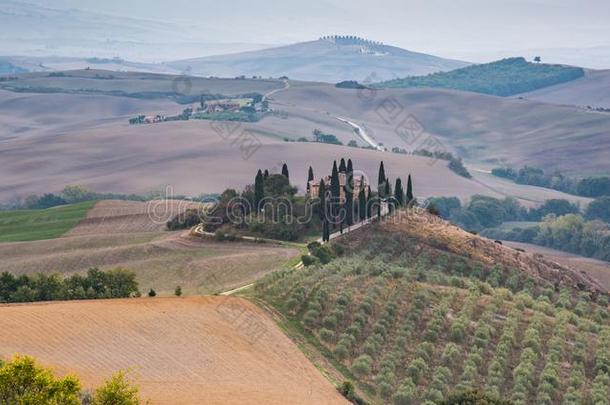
x: 570, y: 233
x: 587, y: 187
x: 23, y: 381
x: 350, y: 84
x: 455, y: 163
x: 487, y: 212
x: 321, y: 137
x: 117, y: 283
x: 505, y: 77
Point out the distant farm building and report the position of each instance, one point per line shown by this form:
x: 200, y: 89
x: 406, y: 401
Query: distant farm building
x: 359, y: 184
x: 216, y: 106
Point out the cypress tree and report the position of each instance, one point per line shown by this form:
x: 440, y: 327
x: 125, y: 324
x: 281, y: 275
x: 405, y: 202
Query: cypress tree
x: 381, y: 180
x: 349, y: 194
x: 266, y: 174
x: 285, y: 171
x: 309, y: 178
x: 322, y: 199
x: 369, y: 208
x: 399, y: 194
x: 409, y: 190
x: 259, y: 190
x: 388, y: 189
x: 325, y: 232
x: 362, y: 212
x: 349, y: 206
x: 335, y: 187
x: 342, y: 168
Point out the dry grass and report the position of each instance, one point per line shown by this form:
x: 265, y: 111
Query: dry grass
x: 434, y: 232
x: 597, y: 269
x: 212, y: 350
x: 112, y: 216
x: 160, y: 260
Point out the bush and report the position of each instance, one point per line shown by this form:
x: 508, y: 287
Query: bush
x: 118, y: 390
x: 152, y: 293
x: 22, y: 381
x: 309, y: 260
x: 362, y: 365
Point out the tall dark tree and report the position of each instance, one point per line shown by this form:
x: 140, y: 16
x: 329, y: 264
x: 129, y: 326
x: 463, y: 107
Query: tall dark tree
x: 349, y: 205
x: 369, y: 208
x: 388, y: 189
x: 399, y: 194
x: 259, y: 190
x: 409, y: 190
x: 309, y: 178
x: 325, y: 232
x: 285, y: 171
x: 266, y: 174
x: 335, y: 190
x: 342, y: 167
x: 381, y: 180
x: 322, y: 199
x: 349, y: 194
x: 362, y: 212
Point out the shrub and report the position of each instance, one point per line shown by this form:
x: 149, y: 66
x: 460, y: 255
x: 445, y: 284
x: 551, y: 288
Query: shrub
x: 22, y: 381
x: 362, y: 365
x: 118, y: 390
x: 152, y: 293
x: 178, y: 291
x: 327, y: 335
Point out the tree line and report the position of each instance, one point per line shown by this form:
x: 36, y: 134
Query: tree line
x: 534, y: 176
x: 96, y: 284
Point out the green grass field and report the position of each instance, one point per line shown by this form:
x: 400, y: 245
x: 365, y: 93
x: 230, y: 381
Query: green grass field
x: 28, y: 225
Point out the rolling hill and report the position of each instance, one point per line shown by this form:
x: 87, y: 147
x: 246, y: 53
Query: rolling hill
x: 506, y: 77
x: 588, y: 91
x: 329, y: 59
x: 485, y: 130
x: 413, y: 310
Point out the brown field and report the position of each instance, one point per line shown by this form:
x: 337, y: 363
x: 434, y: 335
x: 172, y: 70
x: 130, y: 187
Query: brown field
x: 212, y: 350
x: 597, y: 269
x: 480, y: 128
x: 108, y: 155
x: 161, y: 260
x: 113, y: 216
x: 591, y: 90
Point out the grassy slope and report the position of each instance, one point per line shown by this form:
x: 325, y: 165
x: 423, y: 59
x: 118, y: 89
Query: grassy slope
x: 506, y: 77
x: 29, y: 225
x: 402, y: 301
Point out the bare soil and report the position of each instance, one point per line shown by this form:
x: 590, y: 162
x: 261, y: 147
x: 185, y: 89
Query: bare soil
x: 207, y: 350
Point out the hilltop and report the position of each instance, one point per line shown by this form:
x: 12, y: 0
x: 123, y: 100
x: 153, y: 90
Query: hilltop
x: 415, y: 310
x: 588, y: 91
x: 328, y: 59
x: 505, y: 77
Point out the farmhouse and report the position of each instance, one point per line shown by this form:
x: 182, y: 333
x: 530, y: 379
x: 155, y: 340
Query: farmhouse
x: 359, y: 184
x: 216, y: 106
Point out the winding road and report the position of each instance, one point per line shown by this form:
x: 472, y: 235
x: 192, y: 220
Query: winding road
x: 362, y: 133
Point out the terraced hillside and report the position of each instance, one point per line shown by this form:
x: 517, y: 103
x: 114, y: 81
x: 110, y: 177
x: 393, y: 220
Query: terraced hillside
x: 411, y: 321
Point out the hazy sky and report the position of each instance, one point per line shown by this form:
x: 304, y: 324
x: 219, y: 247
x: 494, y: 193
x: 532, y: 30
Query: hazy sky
x: 451, y: 28
x: 438, y: 24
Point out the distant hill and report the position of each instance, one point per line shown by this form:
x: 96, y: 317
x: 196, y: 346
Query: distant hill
x: 588, y: 91
x: 329, y: 59
x: 7, y: 67
x: 505, y: 77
